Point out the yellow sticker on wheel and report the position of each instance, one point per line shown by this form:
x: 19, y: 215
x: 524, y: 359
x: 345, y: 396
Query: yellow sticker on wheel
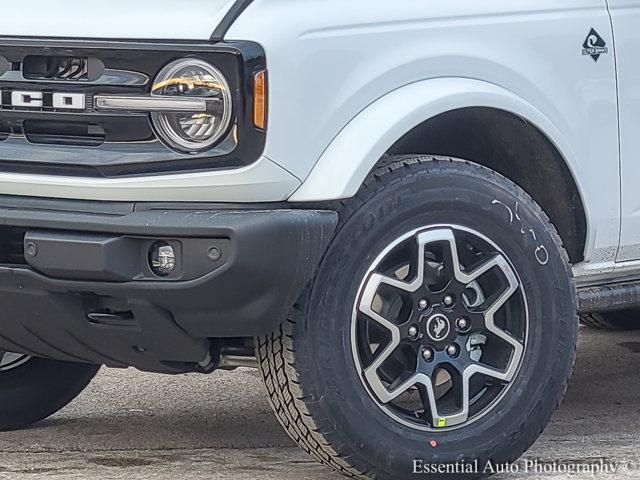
x: 442, y: 422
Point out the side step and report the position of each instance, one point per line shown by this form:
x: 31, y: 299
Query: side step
x: 606, y: 298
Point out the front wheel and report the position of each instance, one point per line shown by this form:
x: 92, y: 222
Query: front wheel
x: 440, y: 328
x: 31, y: 389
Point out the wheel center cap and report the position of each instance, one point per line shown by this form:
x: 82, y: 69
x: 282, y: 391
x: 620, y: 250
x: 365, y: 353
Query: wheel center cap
x: 438, y: 327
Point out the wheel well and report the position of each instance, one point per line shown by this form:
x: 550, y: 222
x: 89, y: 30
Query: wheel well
x: 514, y: 148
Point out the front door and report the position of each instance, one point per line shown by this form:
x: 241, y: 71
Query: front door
x: 625, y: 16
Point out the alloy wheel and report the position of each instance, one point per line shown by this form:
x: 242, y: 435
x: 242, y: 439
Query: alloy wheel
x: 439, y: 327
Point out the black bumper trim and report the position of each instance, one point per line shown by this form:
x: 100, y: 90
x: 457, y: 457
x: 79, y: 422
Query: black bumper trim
x: 161, y: 326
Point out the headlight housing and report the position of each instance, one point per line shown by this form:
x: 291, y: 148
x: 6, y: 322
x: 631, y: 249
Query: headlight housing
x: 193, y: 132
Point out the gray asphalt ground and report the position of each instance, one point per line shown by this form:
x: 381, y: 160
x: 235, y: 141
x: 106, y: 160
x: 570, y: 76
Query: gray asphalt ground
x: 139, y: 426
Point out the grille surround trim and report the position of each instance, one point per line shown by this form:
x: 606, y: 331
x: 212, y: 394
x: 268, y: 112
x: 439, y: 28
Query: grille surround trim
x: 135, y: 150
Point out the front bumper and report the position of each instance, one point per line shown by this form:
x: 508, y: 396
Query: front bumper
x: 83, y: 291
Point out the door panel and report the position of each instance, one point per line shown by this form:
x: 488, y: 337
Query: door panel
x: 625, y: 15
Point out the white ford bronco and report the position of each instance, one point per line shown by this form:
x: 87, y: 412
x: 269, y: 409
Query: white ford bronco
x: 397, y: 210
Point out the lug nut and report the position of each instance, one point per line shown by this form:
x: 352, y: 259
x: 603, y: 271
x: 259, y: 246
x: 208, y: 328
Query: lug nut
x: 452, y: 350
x: 427, y: 354
x: 462, y: 323
x: 423, y: 304
x: 413, y: 332
x: 448, y: 300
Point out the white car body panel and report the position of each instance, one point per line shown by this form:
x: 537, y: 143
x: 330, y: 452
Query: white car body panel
x: 333, y: 66
x: 378, y: 127
x: 626, y: 19
x: 115, y: 19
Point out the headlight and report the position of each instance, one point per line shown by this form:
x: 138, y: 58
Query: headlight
x: 187, y: 131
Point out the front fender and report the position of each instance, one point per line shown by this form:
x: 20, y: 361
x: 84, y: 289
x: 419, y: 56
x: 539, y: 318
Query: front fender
x: 349, y: 158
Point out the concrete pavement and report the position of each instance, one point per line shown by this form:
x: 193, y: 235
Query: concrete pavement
x: 140, y: 426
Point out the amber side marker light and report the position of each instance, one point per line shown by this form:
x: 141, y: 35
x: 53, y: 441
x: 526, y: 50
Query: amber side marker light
x: 260, y: 99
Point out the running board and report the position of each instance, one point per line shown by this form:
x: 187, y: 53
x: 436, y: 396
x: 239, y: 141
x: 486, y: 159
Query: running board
x: 605, y: 298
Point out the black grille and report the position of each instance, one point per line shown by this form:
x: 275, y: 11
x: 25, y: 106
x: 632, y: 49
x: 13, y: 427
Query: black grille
x: 56, y: 68
x: 44, y: 139
x: 71, y: 69
x: 12, y: 246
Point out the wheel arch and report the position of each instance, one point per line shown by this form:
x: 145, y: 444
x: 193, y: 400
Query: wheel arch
x: 499, y: 130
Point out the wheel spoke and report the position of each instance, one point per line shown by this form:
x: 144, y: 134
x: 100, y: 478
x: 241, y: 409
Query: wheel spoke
x: 500, y: 262
x: 462, y: 415
x: 423, y: 239
x: 460, y: 275
x: 453, y: 260
x: 377, y: 279
x: 429, y: 399
x: 383, y: 394
x: 366, y: 307
x: 508, y: 373
x: 368, y: 297
x: 497, y: 261
x: 489, y: 318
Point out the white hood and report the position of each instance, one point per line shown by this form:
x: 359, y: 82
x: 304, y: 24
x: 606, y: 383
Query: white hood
x: 114, y: 19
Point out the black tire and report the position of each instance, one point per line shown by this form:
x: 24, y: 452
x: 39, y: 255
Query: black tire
x: 308, y: 367
x: 616, y: 320
x: 39, y: 388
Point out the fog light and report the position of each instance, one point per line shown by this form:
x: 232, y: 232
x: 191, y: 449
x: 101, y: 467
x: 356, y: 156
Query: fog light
x: 162, y: 259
